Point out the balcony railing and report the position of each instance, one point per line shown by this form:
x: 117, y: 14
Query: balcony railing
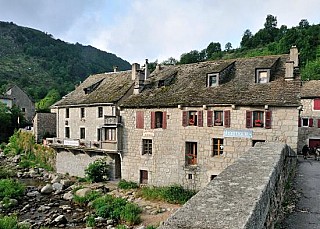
x: 112, y: 120
x: 80, y: 143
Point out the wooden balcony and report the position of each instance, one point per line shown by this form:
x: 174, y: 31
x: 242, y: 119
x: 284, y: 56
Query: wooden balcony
x: 112, y: 120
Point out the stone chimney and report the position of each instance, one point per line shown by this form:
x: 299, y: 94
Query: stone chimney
x: 115, y: 68
x: 294, y: 56
x: 146, y: 70
x: 135, y: 68
x: 289, y: 70
x: 138, y: 78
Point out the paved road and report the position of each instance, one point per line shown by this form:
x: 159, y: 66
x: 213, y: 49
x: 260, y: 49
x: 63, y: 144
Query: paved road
x: 307, y: 183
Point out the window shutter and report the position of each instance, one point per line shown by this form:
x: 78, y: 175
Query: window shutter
x: 318, y: 123
x: 153, y: 120
x: 316, y: 104
x: 268, y: 120
x: 139, y: 120
x: 310, y: 122
x: 184, y: 118
x: 249, y: 119
x: 164, y: 120
x: 299, y: 122
x: 227, y: 118
x: 200, y: 118
x: 209, y: 118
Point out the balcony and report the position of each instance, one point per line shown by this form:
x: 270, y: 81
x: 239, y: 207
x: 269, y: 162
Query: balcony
x: 112, y: 120
x: 82, y: 144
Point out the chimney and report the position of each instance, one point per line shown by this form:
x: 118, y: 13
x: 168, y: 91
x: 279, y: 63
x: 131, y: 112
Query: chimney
x: 289, y: 70
x: 294, y: 56
x: 146, y: 70
x: 115, y: 68
x: 135, y: 68
x: 158, y: 67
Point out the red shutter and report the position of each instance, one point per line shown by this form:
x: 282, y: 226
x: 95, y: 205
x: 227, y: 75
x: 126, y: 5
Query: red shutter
x: 209, y: 118
x: 227, y: 118
x: 299, y: 122
x: 164, y: 120
x: 184, y: 118
x: 139, y: 120
x: 310, y: 122
x: 268, y: 120
x: 153, y: 120
x: 249, y: 119
x: 316, y: 104
x: 200, y: 118
x: 318, y: 123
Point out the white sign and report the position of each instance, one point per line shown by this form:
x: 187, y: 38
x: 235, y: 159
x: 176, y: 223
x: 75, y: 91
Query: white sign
x: 237, y: 133
x: 71, y: 142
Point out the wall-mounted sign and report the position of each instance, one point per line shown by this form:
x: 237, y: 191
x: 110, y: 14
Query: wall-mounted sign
x: 237, y: 133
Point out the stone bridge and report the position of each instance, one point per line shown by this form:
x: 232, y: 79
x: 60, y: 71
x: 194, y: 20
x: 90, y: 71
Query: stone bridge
x: 248, y: 194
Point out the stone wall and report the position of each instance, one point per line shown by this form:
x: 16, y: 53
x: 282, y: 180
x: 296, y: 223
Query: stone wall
x: 44, y: 124
x: 167, y: 164
x: 248, y: 194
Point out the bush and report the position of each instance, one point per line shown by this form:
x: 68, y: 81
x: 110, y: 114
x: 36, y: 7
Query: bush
x: 6, y: 172
x: 90, y: 222
x: 97, y: 171
x: 87, y: 198
x: 117, y: 209
x: 123, y: 184
x: 11, y: 188
x: 10, y: 222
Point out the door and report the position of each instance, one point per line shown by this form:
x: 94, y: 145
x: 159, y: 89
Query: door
x: 143, y: 177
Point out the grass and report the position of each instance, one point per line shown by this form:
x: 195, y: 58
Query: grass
x: 175, y: 194
x: 11, y: 189
x: 123, y: 184
x: 11, y: 222
x: 87, y: 198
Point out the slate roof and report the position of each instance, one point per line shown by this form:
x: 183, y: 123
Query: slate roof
x: 106, y: 88
x: 186, y: 85
x: 310, y: 89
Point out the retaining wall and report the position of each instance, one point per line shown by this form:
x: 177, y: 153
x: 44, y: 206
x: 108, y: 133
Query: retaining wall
x: 247, y: 194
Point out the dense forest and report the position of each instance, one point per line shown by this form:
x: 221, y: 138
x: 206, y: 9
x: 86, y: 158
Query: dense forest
x: 40, y: 64
x: 270, y: 40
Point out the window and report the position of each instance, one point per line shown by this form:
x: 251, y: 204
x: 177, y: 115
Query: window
x: 67, y: 113
x: 158, y: 120
x: 257, y: 118
x: 110, y: 134
x: 193, y: 118
x: 262, y: 75
x: 212, y: 177
x: 305, y: 122
x: 100, y: 112
x: 217, y: 147
x: 218, y: 118
x: 316, y: 104
x: 99, y: 134
x: 160, y: 83
x: 67, y: 132
x: 212, y: 80
x: 255, y: 141
x: 147, y: 146
x: 82, y: 112
x: 191, y: 153
x: 82, y: 133
x: 190, y: 177
x: 113, y: 110
x: 23, y: 109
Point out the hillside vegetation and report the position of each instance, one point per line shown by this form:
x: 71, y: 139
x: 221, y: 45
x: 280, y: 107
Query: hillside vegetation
x: 38, y: 63
x: 269, y: 40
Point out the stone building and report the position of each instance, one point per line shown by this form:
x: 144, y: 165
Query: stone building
x: 187, y: 123
x: 309, y: 121
x: 23, y: 101
x: 89, y: 125
x: 44, y: 125
x: 6, y: 100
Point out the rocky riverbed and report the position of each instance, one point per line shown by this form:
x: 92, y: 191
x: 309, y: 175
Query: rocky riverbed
x: 47, y: 201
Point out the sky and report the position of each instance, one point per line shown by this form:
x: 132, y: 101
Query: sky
x: 136, y: 30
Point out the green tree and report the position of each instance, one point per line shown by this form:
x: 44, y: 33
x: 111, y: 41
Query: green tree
x: 5, y: 120
x: 190, y: 57
x: 213, y: 49
x: 228, y: 46
x: 44, y: 104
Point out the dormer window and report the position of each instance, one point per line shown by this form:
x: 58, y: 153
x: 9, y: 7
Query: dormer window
x: 91, y: 88
x: 160, y: 83
x: 212, y: 79
x: 262, y: 75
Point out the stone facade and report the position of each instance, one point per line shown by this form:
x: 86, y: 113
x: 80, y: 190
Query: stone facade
x: 168, y: 164
x: 44, y: 125
x: 248, y: 194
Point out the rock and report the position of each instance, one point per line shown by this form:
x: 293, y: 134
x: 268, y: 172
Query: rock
x: 13, y: 202
x: 110, y: 222
x: 33, y: 193
x: 56, y: 179
x: 43, y: 208
x: 25, y: 208
x: 68, y: 196
x: 65, y: 207
x: 66, y: 183
x: 57, y: 186
x: 83, y: 192
x: 99, y: 219
x: 24, y: 224
x: 47, y: 189
x: 141, y: 227
x: 61, y: 219
x: 16, y: 159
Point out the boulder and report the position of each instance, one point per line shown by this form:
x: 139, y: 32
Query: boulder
x: 57, y: 186
x: 47, y: 189
x: 68, y: 196
x: 83, y: 192
x: 61, y: 219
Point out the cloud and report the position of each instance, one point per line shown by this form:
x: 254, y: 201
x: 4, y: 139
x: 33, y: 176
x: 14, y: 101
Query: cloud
x: 139, y: 29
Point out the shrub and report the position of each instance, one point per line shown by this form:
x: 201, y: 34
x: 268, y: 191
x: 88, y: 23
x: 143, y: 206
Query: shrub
x: 90, y: 222
x: 11, y: 222
x: 87, y: 198
x: 6, y: 172
x: 11, y: 188
x: 97, y: 171
x: 123, y: 184
x: 131, y: 214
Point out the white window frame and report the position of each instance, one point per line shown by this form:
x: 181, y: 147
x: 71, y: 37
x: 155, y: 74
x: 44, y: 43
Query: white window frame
x: 110, y: 134
x: 210, y: 76
x: 266, y: 79
x: 302, y: 124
